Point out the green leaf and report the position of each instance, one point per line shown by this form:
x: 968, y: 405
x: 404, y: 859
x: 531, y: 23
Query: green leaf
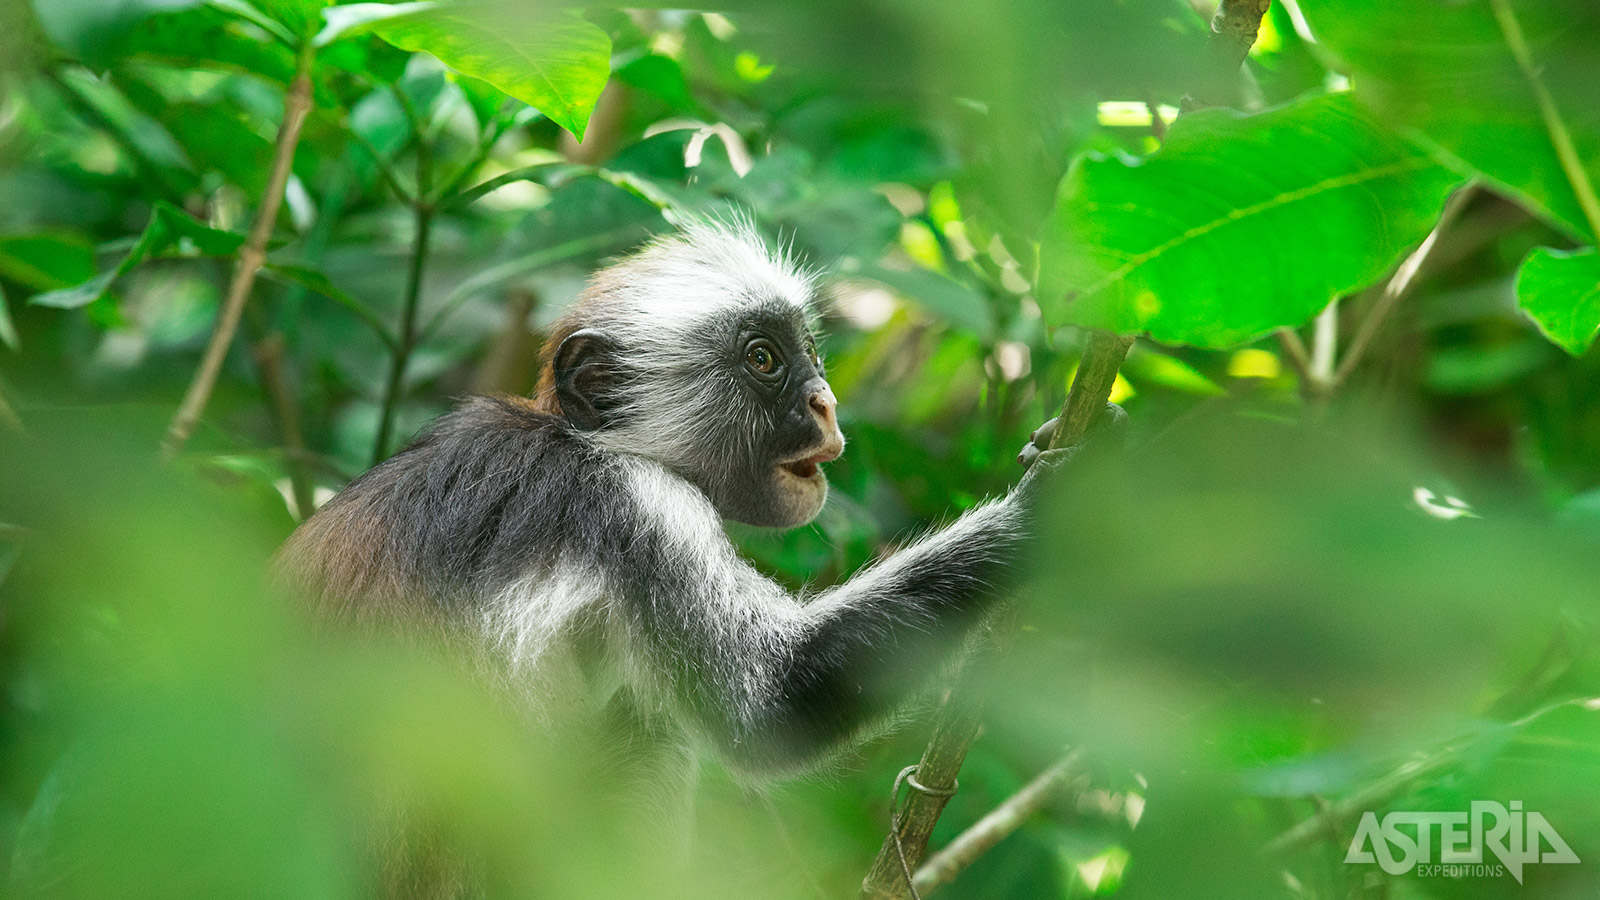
x: 556, y: 63
x: 318, y: 283
x: 8, y: 328
x: 168, y: 226
x: 1561, y: 291
x: 660, y: 75
x: 216, y: 138
x: 1238, y: 225
x: 355, y: 17
x: 1447, y: 69
x: 244, y: 10
x: 941, y: 295
x: 207, y: 38
x: 1149, y: 367
x: 44, y: 261
x: 89, y: 28
x: 299, y: 16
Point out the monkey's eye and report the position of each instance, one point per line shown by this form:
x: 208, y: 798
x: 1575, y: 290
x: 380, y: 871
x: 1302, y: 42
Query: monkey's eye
x: 761, y: 358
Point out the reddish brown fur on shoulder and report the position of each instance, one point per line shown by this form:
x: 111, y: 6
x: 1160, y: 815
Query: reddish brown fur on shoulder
x: 337, y: 561
x: 577, y: 317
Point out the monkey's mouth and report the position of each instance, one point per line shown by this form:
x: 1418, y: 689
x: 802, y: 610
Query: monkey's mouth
x: 807, y: 468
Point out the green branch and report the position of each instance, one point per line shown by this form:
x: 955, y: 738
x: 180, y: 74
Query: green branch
x: 296, y: 106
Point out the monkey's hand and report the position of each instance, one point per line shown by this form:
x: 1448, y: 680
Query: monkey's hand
x: 1109, y: 427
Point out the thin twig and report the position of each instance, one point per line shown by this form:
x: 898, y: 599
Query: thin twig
x: 492, y: 136
x: 1398, y: 285
x: 1000, y: 822
x: 1378, y: 792
x: 422, y: 211
x: 8, y: 416
x: 385, y: 171
x: 296, y: 106
x: 268, y: 353
x: 1295, y: 349
x: 957, y: 721
x: 1158, y: 125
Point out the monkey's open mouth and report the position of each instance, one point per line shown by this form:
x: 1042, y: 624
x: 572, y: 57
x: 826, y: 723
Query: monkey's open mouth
x: 807, y: 468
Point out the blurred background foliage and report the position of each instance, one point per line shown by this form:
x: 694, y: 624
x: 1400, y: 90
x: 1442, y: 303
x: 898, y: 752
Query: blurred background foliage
x: 1345, y: 563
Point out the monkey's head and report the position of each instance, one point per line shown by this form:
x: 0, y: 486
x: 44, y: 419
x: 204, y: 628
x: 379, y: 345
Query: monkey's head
x: 698, y: 353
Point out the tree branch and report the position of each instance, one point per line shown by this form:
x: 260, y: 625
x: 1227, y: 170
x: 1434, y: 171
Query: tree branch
x: 296, y: 106
x: 1233, y: 32
x: 955, y: 727
x: 996, y: 826
x: 956, y: 724
x: 1234, y: 29
x: 1091, y: 387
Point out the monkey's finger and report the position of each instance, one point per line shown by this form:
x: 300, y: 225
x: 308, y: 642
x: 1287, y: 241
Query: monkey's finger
x: 1112, y: 418
x: 1028, y: 455
x: 1110, y: 426
x: 1045, y: 430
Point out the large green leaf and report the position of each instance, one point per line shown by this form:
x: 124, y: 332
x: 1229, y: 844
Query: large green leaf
x: 88, y: 28
x: 1446, y: 68
x: 1238, y: 225
x: 1561, y: 291
x: 557, y: 63
x: 169, y: 226
x: 206, y: 37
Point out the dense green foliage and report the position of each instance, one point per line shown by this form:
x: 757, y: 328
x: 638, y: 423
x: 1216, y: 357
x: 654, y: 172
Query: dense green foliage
x: 1345, y: 563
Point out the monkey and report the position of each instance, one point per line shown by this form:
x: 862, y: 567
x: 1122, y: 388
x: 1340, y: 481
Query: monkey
x: 577, y: 536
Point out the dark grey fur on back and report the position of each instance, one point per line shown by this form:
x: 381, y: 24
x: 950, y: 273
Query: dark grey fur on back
x: 588, y: 558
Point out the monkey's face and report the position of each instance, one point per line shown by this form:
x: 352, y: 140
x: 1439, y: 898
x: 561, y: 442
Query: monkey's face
x: 788, y: 410
x: 735, y: 402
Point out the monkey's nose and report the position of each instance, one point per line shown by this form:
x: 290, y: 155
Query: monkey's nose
x: 823, y: 404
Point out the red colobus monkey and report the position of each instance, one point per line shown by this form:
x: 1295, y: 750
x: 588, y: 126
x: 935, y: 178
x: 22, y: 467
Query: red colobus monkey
x: 577, y: 537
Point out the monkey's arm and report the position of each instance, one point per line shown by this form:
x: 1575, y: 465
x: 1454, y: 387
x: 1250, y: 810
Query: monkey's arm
x: 776, y: 683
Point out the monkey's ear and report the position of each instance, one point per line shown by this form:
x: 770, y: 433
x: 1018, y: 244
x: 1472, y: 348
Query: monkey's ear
x: 587, y: 374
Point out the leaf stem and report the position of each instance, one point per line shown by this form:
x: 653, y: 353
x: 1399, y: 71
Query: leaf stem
x: 1397, y: 286
x: 422, y: 212
x: 1325, y: 343
x: 407, y: 340
x: 296, y: 106
x: 1295, y: 349
x: 8, y: 416
x: 385, y: 171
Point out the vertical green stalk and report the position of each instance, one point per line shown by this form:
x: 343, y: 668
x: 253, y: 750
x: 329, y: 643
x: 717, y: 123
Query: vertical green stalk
x: 423, y: 208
